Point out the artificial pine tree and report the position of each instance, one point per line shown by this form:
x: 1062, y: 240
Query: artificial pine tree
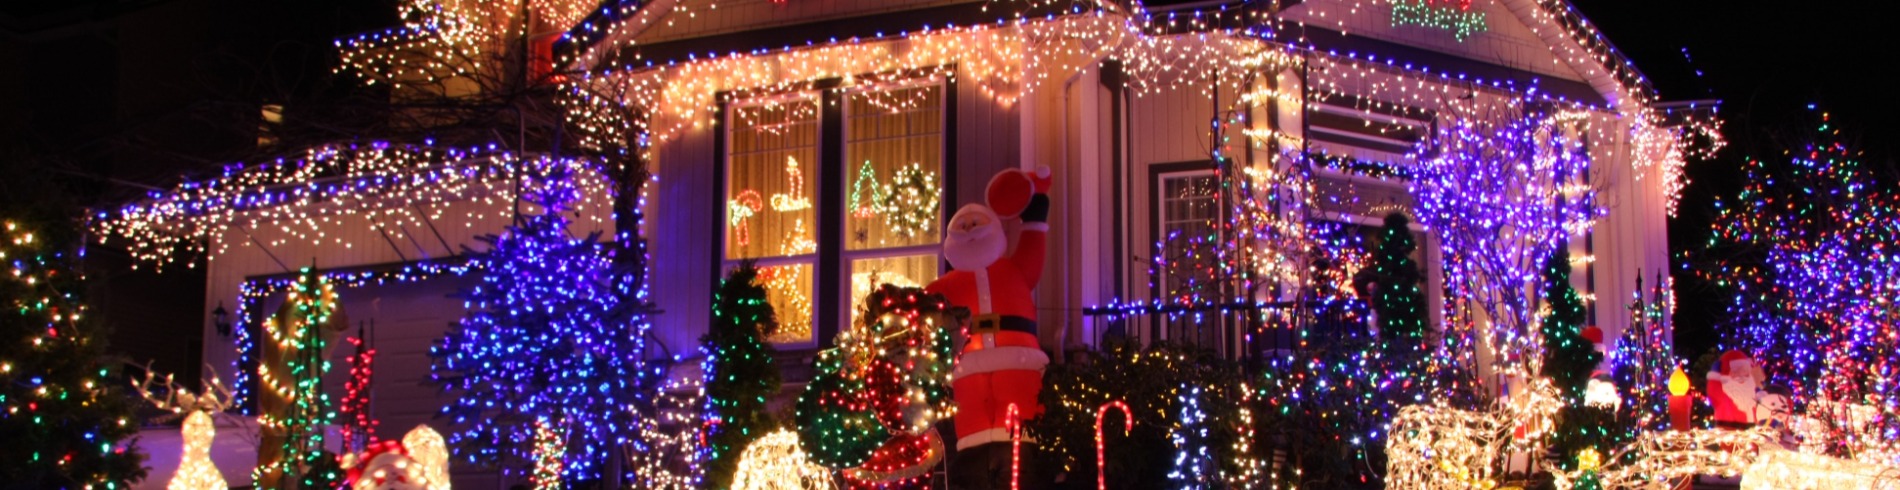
x: 1391, y: 285
x: 740, y: 373
x: 546, y: 337
x: 1569, y: 361
x: 62, y: 417
x: 1568, y: 357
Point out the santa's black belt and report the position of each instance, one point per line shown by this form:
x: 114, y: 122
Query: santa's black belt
x: 991, y: 323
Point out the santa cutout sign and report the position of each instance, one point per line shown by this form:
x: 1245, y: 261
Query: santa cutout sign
x: 1002, y: 361
x: 1733, y: 390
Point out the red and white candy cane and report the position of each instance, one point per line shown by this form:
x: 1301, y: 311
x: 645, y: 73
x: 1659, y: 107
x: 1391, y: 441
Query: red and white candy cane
x: 1015, y: 448
x: 1128, y: 423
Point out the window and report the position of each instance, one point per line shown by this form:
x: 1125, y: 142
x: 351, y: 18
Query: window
x: 1187, y: 238
x: 889, y: 145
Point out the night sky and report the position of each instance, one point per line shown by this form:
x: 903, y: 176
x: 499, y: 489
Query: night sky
x: 1766, y: 61
x: 140, y: 90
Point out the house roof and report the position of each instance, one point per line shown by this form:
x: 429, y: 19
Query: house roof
x: 1588, y: 68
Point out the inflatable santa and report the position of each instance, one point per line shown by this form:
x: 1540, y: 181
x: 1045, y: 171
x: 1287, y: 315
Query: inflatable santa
x: 1733, y: 387
x: 1002, y: 360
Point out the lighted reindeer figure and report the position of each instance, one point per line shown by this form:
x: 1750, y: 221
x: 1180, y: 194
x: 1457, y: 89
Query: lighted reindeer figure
x: 195, y: 471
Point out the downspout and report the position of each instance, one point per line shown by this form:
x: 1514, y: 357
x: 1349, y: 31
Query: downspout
x: 1072, y: 188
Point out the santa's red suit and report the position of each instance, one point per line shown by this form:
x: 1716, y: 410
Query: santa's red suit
x: 1002, y: 361
x: 1732, y: 387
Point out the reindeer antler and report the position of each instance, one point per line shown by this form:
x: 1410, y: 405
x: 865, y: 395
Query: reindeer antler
x: 215, y: 398
x: 168, y: 399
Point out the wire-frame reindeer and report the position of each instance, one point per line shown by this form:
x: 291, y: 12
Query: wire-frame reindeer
x: 195, y: 470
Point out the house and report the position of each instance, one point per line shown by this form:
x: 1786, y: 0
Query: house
x: 828, y: 141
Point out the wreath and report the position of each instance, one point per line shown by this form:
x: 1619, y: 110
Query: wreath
x: 911, y: 201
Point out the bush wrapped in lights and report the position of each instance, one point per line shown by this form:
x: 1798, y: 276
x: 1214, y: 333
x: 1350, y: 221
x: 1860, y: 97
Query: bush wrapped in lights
x: 1153, y: 382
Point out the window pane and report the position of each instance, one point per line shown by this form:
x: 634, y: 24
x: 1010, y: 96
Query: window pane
x: 771, y: 173
x: 1190, y: 271
x: 788, y: 289
x: 906, y: 271
x: 894, y: 163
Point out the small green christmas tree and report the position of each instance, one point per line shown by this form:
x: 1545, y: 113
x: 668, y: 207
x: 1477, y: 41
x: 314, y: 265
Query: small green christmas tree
x: 1568, y: 357
x: 62, y: 415
x: 739, y: 371
x: 1394, y: 289
x: 1569, y: 360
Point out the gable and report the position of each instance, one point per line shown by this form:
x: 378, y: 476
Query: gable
x: 1505, y: 41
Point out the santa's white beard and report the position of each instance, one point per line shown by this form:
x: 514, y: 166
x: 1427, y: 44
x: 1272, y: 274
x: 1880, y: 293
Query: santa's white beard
x: 976, y: 248
x: 1741, y: 390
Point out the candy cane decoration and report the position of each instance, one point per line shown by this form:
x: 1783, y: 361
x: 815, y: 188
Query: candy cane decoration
x: 738, y: 210
x: 1128, y: 423
x: 1015, y: 448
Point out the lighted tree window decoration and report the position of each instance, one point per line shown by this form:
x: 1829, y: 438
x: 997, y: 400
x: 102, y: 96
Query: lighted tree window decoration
x: 549, y: 338
x: 865, y: 206
x: 550, y: 445
x: 1456, y: 16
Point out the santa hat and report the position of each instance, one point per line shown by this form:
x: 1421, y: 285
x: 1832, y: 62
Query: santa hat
x: 1009, y: 191
x: 361, y: 465
x: 1724, y: 366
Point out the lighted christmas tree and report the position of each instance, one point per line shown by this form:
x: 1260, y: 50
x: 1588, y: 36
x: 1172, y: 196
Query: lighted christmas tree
x: 1644, y: 359
x: 548, y: 336
x: 1807, y: 250
x: 1391, y: 286
x: 1569, y: 360
x: 62, y: 414
x: 740, y: 373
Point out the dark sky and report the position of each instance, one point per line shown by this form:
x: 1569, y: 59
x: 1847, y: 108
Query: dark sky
x: 1766, y: 61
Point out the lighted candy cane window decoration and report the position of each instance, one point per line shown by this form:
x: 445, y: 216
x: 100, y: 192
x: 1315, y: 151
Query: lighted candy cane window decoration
x: 195, y: 469
x: 740, y: 209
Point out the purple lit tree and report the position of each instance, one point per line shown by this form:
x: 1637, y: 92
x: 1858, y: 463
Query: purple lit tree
x: 1502, y: 189
x: 551, y: 333
x: 1807, y: 248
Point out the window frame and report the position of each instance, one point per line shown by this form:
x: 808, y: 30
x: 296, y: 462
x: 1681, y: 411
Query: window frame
x: 1162, y: 326
x: 832, y: 262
